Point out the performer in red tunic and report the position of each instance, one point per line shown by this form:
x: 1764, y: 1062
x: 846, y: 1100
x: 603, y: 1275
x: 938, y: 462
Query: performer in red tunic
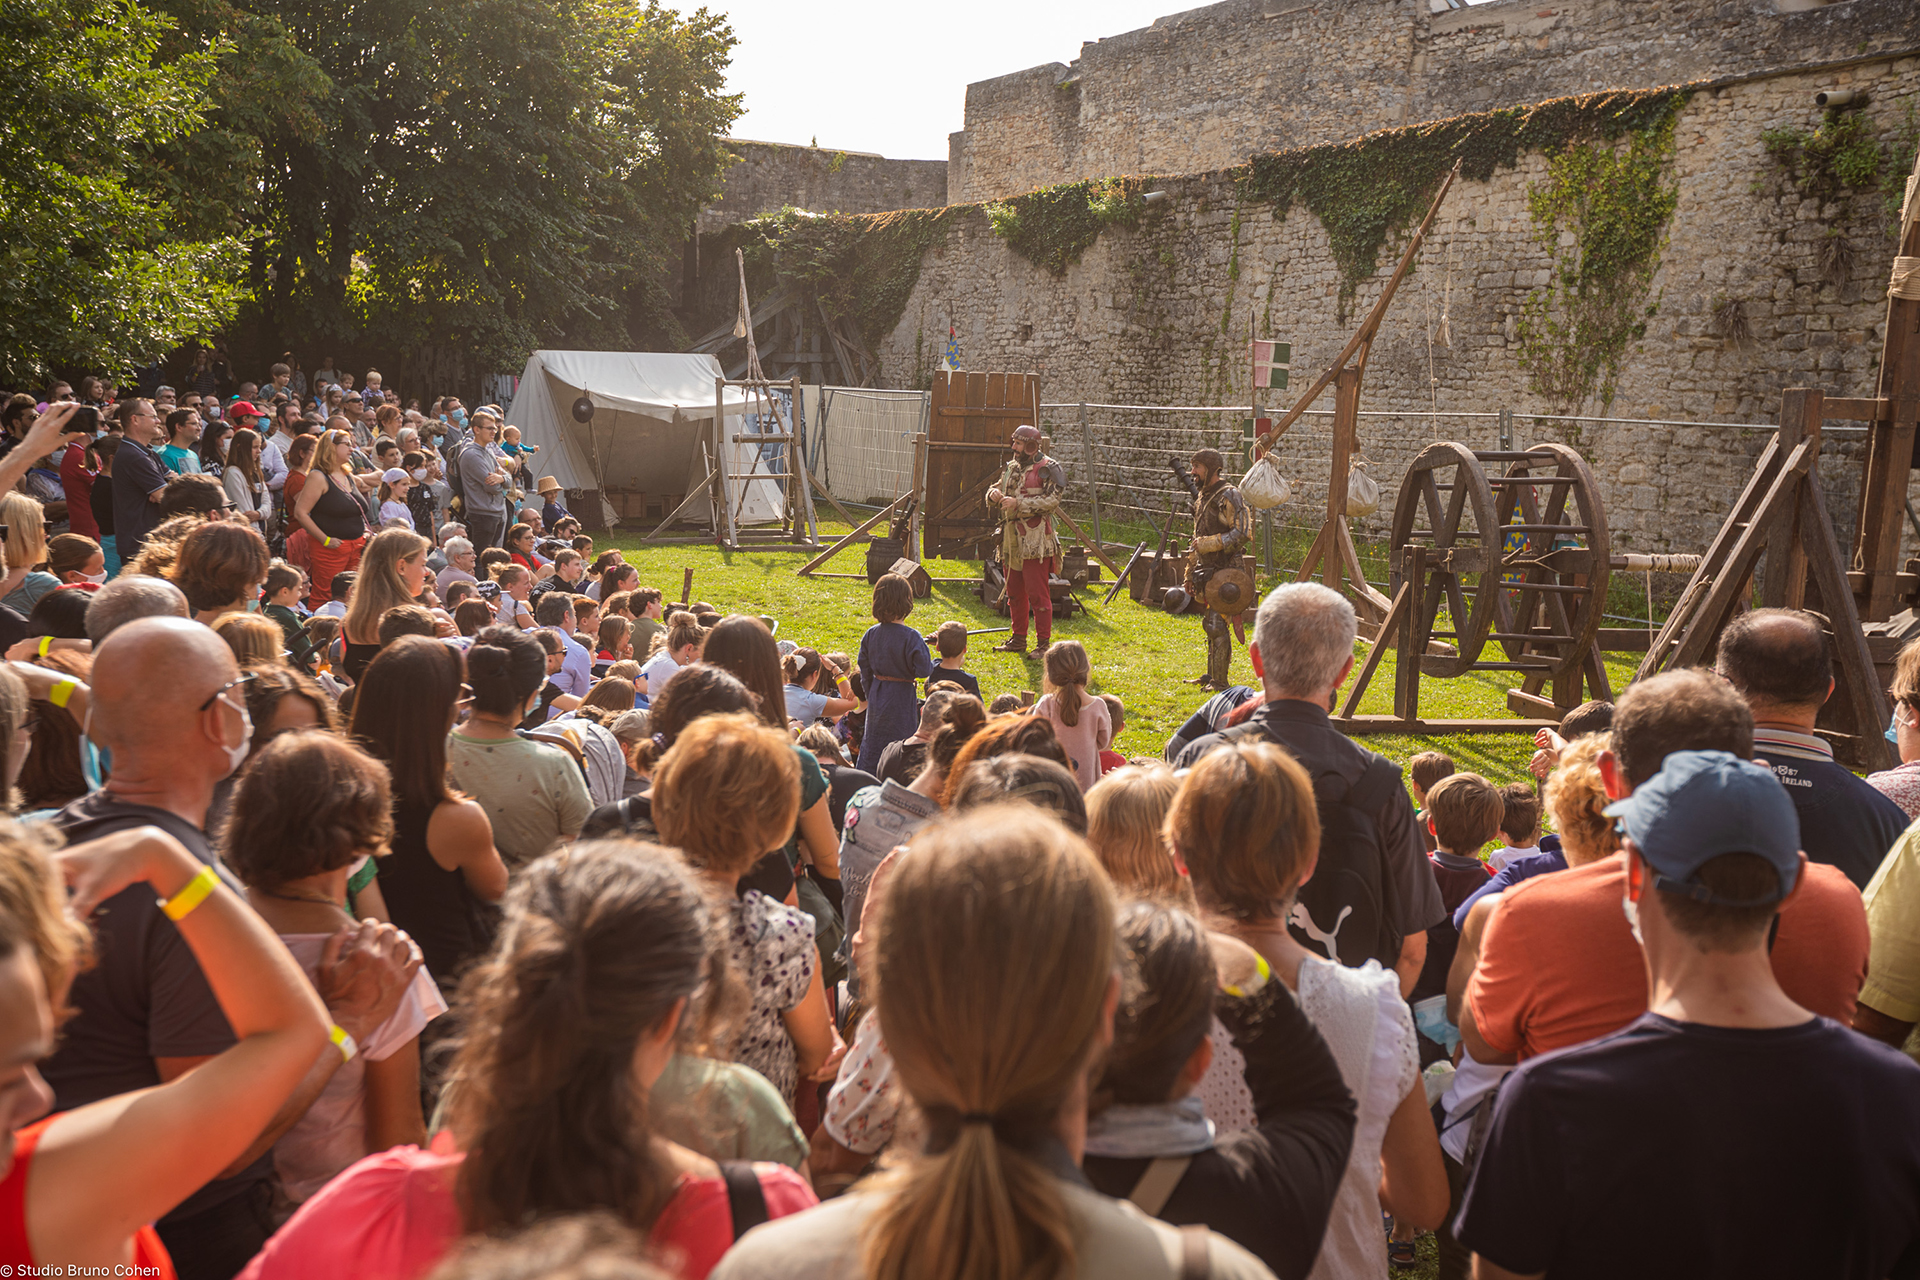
x: 1025, y: 498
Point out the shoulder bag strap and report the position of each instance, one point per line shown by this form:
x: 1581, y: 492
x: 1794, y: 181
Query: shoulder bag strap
x: 1151, y: 1193
x: 746, y: 1201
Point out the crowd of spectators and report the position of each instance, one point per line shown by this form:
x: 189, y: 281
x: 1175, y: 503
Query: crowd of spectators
x: 392, y: 886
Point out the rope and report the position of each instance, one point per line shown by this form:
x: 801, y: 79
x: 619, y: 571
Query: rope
x: 1906, y: 279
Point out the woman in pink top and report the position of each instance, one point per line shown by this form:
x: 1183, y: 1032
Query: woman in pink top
x: 607, y: 948
x: 1080, y: 721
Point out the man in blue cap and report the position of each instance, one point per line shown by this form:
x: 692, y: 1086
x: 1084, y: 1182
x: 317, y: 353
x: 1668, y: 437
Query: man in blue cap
x: 1727, y: 1131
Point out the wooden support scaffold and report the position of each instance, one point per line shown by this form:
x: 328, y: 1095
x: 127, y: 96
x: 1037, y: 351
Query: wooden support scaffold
x: 729, y: 489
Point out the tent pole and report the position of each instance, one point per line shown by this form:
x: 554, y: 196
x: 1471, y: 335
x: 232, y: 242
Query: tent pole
x: 723, y: 519
x: 797, y: 452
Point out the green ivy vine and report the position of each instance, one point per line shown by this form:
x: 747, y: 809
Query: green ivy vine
x: 1053, y: 226
x: 1375, y: 187
x: 1602, y: 212
x: 1843, y: 156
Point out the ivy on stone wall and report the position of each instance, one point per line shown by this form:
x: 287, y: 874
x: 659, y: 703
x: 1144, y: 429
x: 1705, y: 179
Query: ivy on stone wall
x: 1843, y: 155
x: 1366, y: 191
x: 1602, y: 212
x: 1053, y: 226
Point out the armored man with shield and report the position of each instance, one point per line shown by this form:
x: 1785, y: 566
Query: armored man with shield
x: 1024, y: 499
x: 1222, y: 525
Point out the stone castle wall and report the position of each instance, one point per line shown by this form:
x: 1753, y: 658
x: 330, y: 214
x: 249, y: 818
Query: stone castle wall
x: 772, y: 175
x: 1158, y: 315
x: 1209, y: 88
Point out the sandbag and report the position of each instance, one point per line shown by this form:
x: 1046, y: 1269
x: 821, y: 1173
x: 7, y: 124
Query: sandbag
x: 1363, y: 491
x: 1264, y: 487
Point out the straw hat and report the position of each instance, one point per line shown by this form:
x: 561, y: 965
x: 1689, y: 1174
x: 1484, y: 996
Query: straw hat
x: 548, y: 485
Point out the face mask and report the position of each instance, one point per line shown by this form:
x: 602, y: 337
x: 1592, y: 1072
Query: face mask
x: 419, y: 473
x: 460, y: 417
x: 253, y: 606
x: 94, y: 577
x: 1632, y: 909
x: 237, y: 755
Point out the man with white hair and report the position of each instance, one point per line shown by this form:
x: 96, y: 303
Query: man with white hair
x: 460, y: 561
x: 437, y: 558
x: 1372, y: 895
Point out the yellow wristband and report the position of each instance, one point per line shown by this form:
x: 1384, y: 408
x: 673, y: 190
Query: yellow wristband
x: 192, y: 896
x: 349, y: 1047
x: 1264, y: 972
x: 46, y: 644
x: 63, y: 692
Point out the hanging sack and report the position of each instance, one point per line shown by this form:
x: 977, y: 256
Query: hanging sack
x: 1264, y: 487
x: 1363, y: 491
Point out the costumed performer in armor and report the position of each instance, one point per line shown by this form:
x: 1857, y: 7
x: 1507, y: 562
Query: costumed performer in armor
x: 1025, y: 497
x: 1222, y: 525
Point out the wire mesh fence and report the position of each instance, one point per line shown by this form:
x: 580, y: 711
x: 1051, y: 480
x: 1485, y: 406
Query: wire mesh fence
x: 862, y: 448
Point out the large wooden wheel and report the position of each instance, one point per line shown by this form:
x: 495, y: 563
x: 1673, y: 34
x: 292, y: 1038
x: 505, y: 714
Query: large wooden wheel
x: 1446, y: 509
x: 1555, y: 561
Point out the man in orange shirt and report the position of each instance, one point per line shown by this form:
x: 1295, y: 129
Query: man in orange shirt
x: 1558, y: 965
x: 1727, y: 1131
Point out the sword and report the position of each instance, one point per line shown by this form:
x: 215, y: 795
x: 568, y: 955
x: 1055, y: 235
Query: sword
x: 1121, y: 581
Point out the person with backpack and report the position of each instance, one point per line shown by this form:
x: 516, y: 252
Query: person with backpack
x: 1372, y: 895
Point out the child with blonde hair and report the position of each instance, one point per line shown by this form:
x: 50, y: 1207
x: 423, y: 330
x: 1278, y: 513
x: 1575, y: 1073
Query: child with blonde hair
x: 1080, y: 721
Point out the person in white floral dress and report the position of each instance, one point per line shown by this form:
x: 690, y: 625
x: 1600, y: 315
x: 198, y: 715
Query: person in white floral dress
x: 1244, y: 825
x: 726, y: 794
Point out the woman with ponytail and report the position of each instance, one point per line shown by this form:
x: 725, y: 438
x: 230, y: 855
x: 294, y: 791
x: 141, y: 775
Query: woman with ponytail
x: 999, y: 1054
x: 804, y: 703
x: 608, y: 959
x: 1080, y: 721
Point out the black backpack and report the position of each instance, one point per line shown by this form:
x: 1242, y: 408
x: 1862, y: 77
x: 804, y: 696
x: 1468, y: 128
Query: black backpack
x: 451, y: 467
x: 1341, y: 913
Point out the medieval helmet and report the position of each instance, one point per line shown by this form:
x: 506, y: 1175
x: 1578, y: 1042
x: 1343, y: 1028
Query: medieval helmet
x: 1026, y: 433
x: 1210, y: 459
x: 1176, y: 600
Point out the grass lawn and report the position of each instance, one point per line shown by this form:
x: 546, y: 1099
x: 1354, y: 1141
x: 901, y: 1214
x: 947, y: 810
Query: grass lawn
x: 1142, y: 655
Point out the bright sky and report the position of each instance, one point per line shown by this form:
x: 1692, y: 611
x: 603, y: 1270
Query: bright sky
x: 891, y: 75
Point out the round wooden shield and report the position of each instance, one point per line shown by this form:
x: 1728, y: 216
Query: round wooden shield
x: 1230, y: 591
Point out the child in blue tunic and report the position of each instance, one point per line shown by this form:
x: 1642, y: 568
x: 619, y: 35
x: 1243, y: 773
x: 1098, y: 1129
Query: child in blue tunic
x: 893, y: 660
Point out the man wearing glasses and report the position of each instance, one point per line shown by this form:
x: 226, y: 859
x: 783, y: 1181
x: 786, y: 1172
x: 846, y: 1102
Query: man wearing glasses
x: 169, y: 703
x: 139, y: 477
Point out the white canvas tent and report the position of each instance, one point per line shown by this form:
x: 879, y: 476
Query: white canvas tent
x: 653, y: 412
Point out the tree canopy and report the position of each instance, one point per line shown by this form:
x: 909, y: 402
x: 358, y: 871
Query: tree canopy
x: 447, y: 183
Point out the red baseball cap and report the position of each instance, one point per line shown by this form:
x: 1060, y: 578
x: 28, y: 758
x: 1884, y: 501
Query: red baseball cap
x: 242, y: 406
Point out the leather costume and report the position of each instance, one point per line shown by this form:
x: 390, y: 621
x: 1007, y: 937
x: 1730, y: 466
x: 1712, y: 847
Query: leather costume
x: 1029, y: 548
x: 1222, y: 527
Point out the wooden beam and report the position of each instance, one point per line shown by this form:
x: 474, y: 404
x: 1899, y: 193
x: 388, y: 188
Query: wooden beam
x: 1091, y: 544
x: 834, y: 550
x: 1383, y: 637
x: 1785, y: 584
x: 1360, y: 726
x: 1858, y: 681
x: 1732, y: 575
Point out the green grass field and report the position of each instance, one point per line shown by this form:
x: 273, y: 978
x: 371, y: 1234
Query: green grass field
x: 1142, y: 655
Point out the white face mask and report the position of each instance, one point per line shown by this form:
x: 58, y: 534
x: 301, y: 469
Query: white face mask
x: 1632, y: 910
x: 237, y: 755
x: 94, y: 577
x: 419, y: 473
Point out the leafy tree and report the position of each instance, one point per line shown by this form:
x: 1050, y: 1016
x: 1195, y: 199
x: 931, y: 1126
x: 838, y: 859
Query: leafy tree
x: 495, y: 175
x: 92, y: 269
